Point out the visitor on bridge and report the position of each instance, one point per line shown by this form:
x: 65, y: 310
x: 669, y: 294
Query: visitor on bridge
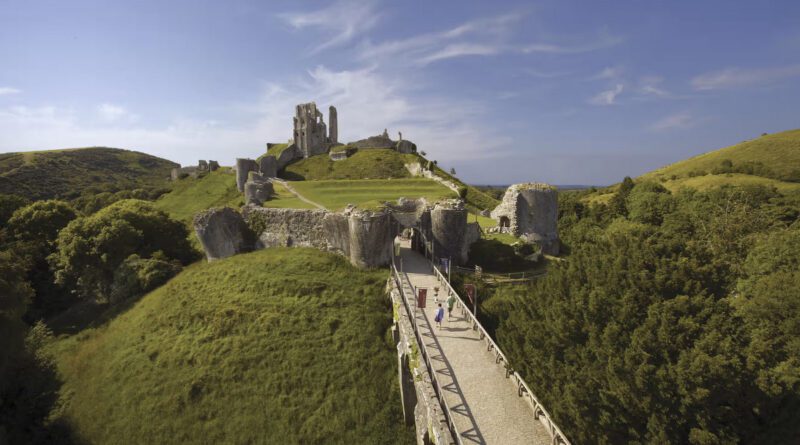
x: 439, y: 316
x: 451, y: 301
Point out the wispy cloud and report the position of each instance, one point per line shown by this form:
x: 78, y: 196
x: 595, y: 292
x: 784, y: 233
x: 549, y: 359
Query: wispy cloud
x: 610, y: 72
x: 607, y: 97
x: 652, y: 86
x: 8, y: 90
x: 114, y: 113
x: 742, y: 77
x: 342, y: 21
x: 678, y: 120
x: 604, y: 40
x: 483, y: 37
x: 367, y: 100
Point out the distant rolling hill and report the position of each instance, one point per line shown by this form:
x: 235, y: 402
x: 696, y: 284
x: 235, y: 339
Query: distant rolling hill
x: 69, y: 173
x: 768, y: 160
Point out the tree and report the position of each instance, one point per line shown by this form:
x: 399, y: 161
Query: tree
x: 40, y: 221
x: 617, y: 203
x: 90, y: 249
x: 423, y: 153
x: 452, y: 171
x: 8, y: 205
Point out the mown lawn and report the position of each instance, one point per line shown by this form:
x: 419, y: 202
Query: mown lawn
x: 284, y: 199
x: 487, y: 223
x: 284, y: 346
x: 369, y: 193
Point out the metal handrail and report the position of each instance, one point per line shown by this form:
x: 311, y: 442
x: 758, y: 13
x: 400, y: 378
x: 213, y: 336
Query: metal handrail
x: 436, y: 385
x: 559, y: 438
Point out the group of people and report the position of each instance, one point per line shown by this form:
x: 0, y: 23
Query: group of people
x: 451, y: 302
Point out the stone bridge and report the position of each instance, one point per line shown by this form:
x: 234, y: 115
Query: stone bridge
x: 456, y: 383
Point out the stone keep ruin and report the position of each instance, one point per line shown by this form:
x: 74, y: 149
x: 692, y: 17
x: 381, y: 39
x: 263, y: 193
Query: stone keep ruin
x: 530, y: 211
x: 194, y: 171
x: 366, y: 238
x: 310, y: 133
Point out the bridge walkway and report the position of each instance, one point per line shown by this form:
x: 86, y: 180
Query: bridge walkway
x: 484, y: 403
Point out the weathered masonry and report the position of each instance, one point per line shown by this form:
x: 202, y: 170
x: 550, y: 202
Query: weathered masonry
x: 365, y: 237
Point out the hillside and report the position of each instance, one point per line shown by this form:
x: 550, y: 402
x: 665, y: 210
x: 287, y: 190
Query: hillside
x: 69, y: 173
x: 191, y: 195
x: 775, y: 156
x: 364, y: 164
x: 275, y: 346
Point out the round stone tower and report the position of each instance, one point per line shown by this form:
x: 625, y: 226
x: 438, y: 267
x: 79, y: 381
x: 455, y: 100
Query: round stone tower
x: 370, y: 239
x: 449, y: 226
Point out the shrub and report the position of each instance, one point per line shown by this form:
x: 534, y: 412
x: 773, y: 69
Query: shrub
x: 90, y: 249
x: 462, y: 192
x: 8, y: 205
x: 40, y: 221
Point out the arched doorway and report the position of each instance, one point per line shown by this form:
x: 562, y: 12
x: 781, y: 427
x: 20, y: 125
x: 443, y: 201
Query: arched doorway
x: 505, y: 222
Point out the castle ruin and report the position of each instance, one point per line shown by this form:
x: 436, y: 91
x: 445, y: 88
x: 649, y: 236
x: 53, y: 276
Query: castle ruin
x: 530, y: 211
x: 311, y: 135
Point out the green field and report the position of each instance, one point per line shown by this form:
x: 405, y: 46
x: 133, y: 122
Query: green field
x: 190, y: 196
x: 67, y: 174
x: 487, y: 223
x: 779, y: 153
x: 364, y: 164
x: 276, y: 346
x: 284, y: 199
x: 369, y: 193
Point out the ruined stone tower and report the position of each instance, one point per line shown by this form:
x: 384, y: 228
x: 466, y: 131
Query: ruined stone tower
x: 310, y: 131
x: 530, y: 211
x: 333, y: 131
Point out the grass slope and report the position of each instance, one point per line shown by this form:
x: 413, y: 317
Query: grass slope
x: 284, y: 199
x: 779, y: 153
x: 364, y: 164
x: 69, y: 173
x: 370, y: 193
x: 276, y: 346
x: 190, y: 195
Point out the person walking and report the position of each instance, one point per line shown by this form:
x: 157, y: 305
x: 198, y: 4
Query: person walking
x: 451, y: 301
x: 439, y: 316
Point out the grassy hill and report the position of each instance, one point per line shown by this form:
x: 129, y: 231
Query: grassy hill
x: 364, y: 164
x: 770, y: 160
x: 276, y: 346
x: 775, y: 156
x: 69, y: 173
x: 191, y: 195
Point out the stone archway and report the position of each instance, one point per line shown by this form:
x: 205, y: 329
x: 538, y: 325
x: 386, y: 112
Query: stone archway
x: 505, y: 222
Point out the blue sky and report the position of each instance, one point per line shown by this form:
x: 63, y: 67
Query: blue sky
x: 560, y: 91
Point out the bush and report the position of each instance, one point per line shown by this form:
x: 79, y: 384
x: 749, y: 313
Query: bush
x: 90, y: 249
x: 40, y: 221
x: 462, y: 192
x: 8, y: 205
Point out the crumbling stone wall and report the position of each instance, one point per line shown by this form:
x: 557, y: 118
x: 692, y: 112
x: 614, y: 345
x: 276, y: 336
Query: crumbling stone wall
x: 222, y: 233
x: 532, y: 212
x: 243, y: 168
x: 286, y: 227
x: 365, y: 237
x: 257, y: 189
x: 268, y: 166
